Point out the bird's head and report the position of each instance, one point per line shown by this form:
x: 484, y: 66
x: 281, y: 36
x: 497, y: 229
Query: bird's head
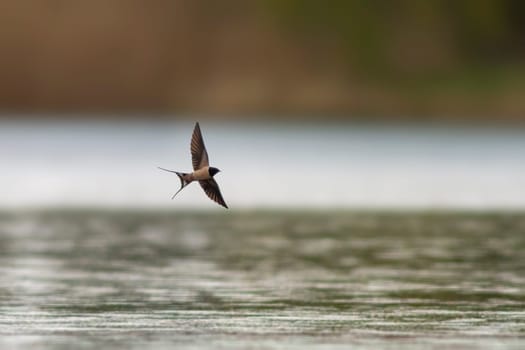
x: 213, y: 171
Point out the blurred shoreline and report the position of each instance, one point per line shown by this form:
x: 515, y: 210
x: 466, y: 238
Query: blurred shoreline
x: 239, y: 60
x: 260, y: 119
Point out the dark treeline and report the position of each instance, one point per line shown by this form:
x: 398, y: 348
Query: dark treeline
x: 297, y: 57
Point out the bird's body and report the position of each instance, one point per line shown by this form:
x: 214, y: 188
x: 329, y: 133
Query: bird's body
x: 202, y: 171
x: 201, y: 174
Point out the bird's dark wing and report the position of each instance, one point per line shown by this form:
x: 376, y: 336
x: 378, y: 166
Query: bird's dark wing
x: 199, y: 156
x: 212, y: 190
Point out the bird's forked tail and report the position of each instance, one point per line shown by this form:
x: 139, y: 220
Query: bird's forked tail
x: 182, y: 177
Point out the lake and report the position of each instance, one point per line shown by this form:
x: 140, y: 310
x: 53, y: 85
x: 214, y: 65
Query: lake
x: 264, y: 165
x: 135, y: 279
x: 361, y: 235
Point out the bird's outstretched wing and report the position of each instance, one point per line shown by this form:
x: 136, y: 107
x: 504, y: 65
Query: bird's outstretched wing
x: 199, y: 156
x: 212, y: 190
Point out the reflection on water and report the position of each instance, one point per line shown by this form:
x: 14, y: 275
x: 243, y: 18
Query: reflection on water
x: 276, y: 280
x: 279, y: 165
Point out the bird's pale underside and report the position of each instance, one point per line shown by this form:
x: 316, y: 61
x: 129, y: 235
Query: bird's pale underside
x: 202, y: 171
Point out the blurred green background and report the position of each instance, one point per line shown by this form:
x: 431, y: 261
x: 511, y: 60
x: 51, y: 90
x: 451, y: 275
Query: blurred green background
x: 433, y: 59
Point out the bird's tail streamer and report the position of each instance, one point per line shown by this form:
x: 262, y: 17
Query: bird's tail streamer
x: 182, y: 177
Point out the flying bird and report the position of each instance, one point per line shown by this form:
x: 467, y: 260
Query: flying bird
x: 202, y: 171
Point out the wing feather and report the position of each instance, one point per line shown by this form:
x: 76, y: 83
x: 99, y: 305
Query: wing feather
x: 199, y: 155
x: 211, y: 188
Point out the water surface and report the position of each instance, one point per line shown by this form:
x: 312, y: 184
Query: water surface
x: 292, y: 280
x: 263, y: 165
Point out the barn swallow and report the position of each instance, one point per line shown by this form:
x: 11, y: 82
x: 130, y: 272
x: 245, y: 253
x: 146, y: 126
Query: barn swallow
x: 202, y: 171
